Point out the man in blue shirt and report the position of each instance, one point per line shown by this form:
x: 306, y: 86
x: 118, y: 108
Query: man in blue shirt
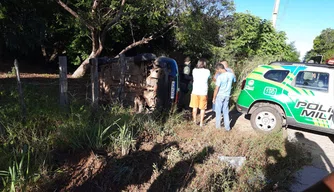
x: 225, y: 63
x: 221, y: 95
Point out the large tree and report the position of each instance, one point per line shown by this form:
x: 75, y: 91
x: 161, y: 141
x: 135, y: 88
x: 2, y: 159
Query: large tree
x: 22, y: 24
x: 112, y: 23
x: 198, y: 29
x: 246, y: 35
x: 324, y: 44
x: 34, y: 28
x: 103, y: 18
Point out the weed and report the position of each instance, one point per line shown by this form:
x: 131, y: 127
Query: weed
x: 18, y: 174
x: 174, y: 155
x: 223, y: 180
x: 123, y: 139
x: 174, y: 121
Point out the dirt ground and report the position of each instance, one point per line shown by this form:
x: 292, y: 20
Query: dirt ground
x: 187, y: 155
x: 320, y: 146
x: 90, y: 171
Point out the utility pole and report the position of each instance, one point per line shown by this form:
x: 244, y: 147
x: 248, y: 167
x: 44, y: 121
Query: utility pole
x: 275, y: 12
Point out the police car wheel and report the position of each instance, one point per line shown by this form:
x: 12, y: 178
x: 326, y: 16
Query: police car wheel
x: 266, y: 119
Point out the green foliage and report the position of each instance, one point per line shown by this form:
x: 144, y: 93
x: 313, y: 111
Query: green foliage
x: 323, y: 45
x: 223, y: 180
x: 23, y: 24
x: 291, y: 54
x: 18, y: 173
x: 123, y: 139
x: 202, y: 29
x: 241, y: 35
x: 246, y: 36
x: 199, y: 26
x: 309, y: 54
x: 325, y: 41
x: 2, y: 11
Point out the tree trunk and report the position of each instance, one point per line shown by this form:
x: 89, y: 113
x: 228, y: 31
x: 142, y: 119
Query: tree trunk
x: 81, y: 70
x: 97, y: 47
x: 98, y: 36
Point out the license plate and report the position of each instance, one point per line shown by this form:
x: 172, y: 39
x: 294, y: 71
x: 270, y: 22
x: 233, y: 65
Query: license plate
x: 172, y: 91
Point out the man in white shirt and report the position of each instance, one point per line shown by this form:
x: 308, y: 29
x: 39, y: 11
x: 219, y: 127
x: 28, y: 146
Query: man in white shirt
x: 199, y: 94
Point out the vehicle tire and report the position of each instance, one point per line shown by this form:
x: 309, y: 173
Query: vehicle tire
x: 266, y: 119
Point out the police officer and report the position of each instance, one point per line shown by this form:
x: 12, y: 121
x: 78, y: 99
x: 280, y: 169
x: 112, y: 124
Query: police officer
x: 185, y: 79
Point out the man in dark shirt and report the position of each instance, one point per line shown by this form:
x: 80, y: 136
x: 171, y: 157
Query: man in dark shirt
x: 185, y: 79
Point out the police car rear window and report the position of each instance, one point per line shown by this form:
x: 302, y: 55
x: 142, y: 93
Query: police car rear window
x: 276, y: 75
x: 312, y: 80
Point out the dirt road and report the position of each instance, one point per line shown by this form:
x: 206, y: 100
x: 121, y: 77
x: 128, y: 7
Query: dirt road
x: 320, y: 147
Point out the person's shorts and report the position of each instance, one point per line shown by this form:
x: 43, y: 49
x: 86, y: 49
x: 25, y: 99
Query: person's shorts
x: 198, y: 101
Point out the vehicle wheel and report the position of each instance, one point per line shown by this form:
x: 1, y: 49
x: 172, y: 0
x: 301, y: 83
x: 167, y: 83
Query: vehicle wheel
x: 266, y: 119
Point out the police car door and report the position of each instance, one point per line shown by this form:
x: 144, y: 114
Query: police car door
x: 314, y: 98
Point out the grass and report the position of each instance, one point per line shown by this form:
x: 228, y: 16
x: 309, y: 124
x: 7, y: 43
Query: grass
x: 270, y: 163
x: 48, y: 130
x: 28, y: 149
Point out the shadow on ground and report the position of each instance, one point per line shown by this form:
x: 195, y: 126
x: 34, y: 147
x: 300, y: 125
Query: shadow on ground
x: 138, y: 169
x: 210, y: 115
x: 181, y: 174
x: 307, y: 175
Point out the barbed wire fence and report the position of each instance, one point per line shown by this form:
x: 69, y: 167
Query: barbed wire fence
x: 57, y: 88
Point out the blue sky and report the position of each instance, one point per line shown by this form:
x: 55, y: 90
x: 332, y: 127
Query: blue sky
x: 301, y: 20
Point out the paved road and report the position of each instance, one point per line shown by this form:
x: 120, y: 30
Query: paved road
x: 320, y: 146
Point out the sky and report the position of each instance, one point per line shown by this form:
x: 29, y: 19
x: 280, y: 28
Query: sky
x: 301, y: 20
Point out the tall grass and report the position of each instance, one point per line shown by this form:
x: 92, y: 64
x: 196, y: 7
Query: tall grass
x: 244, y: 67
x: 49, y: 130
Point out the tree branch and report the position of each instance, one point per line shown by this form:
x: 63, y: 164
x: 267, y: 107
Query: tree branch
x: 166, y: 28
x: 96, y: 3
x: 135, y: 44
x: 133, y: 37
x: 74, y: 14
x: 114, y: 20
x: 109, y: 12
x: 147, y: 39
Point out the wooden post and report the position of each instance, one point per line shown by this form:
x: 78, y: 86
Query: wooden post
x: 95, y: 82
x: 63, y: 81
x: 19, y: 86
x: 122, y: 61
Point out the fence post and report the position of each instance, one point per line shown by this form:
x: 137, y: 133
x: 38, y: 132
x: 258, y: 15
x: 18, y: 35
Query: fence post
x: 95, y: 82
x: 19, y: 86
x: 122, y: 80
x: 63, y: 86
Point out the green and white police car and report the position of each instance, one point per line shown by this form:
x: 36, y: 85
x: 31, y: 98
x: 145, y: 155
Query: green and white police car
x: 283, y: 93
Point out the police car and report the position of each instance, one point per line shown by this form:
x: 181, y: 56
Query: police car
x: 283, y: 93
